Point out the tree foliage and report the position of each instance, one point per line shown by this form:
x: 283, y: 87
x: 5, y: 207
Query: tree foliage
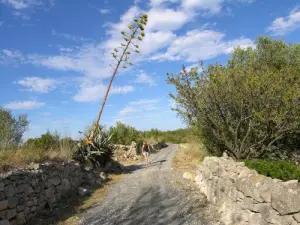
x: 11, y: 129
x: 248, y: 106
x: 47, y: 141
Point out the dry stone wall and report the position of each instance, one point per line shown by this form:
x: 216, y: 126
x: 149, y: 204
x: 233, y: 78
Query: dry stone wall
x: 26, y: 192
x: 243, y: 197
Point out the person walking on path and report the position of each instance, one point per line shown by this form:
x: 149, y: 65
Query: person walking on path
x: 146, y: 151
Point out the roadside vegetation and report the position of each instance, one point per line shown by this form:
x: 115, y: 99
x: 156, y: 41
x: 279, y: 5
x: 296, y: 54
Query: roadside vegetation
x: 248, y: 107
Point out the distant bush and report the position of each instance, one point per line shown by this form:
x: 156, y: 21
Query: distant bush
x: 45, y: 142
x: 276, y: 169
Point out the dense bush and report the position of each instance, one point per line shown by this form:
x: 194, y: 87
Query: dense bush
x: 45, y: 142
x: 276, y: 169
x: 11, y: 129
x: 249, y: 107
x: 123, y: 134
x: 96, y: 153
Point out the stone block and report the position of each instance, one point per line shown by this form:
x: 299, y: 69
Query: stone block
x: 12, y: 202
x: 285, y: 200
x: 4, y: 222
x: 3, y: 205
x: 9, y: 191
x: 20, y: 218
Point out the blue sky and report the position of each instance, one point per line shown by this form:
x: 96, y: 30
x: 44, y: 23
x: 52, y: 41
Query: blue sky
x: 55, y: 55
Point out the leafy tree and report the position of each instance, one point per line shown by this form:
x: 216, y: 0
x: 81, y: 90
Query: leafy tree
x: 123, y: 134
x: 248, y: 106
x: 11, y: 128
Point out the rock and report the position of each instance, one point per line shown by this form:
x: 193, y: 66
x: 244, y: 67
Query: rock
x: 1, y: 186
x: 225, y: 155
x: 284, y: 200
x: 4, y: 222
x: 9, y: 191
x: 297, y: 217
x: 11, y: 213
x: 291, y: 184
x: 35, y: 166
x: 188, y: 176
x: 20, y: 208
x: 65, y: 184
x: 53, y: 181
x: 12, y: 202
x: 103, y: 176
x: 3, y: 205
x: 83, y: 192
x: 20, y: 218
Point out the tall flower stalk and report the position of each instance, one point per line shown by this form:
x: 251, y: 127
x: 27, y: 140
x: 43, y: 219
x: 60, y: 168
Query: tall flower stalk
x: 121, y: 55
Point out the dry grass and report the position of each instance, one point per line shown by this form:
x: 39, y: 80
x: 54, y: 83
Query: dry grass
x: 24, y: 156
x: 189, y: 156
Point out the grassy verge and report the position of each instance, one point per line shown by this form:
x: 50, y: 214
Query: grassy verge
x: 21, y: 157
x: 188, y: 157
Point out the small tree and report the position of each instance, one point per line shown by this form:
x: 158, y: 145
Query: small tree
x: 248, y: 106
x: 11, y: 129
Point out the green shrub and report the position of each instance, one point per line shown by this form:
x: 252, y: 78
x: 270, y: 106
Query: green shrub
x: 248, y: 106
x: 99, y: 153
x: 276, y: 169
x: 47, y: 141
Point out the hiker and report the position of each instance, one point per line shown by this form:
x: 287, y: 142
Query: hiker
x: 146, y: 151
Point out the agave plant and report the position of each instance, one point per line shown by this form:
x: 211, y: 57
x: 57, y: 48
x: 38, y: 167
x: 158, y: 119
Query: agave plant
x: 96, y: 154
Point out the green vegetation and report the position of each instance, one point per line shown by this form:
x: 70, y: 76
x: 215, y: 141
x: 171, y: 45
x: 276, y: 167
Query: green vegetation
x: 11, y: 129
x: 97, y: 154
x: 125, y: 134
x: 276, y: 169
x: 248, y: 107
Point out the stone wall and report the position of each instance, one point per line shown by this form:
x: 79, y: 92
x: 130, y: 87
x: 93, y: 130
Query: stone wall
x: 26, y: 192
x: 244, y: 197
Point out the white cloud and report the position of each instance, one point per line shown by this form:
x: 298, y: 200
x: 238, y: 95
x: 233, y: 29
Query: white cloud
x: 144, y: 78
x: 37, y: 84
x: 145, y: 102
x: 283, y: 25
x: 155, y: 3
x: 25, y: 4
x: 24, y: 105
x: 122, y: 89
x: 11, y: 56
x: 71, y: 37
x: 104, y: 11
x: 199, y: 45
x: 211, y: 6
x: 21, y: 4
x: 93, y: 91
x: 127, y: 110
x: 161, y: 19
x: 20, y: 15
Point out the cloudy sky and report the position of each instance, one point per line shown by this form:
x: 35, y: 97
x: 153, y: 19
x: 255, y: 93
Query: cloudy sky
x: 55, y: 55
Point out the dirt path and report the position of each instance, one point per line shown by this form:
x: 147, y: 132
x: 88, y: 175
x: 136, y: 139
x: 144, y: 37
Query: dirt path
x: 150, y: 195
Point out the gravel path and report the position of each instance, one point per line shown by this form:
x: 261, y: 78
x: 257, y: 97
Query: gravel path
x: 151, y: 194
